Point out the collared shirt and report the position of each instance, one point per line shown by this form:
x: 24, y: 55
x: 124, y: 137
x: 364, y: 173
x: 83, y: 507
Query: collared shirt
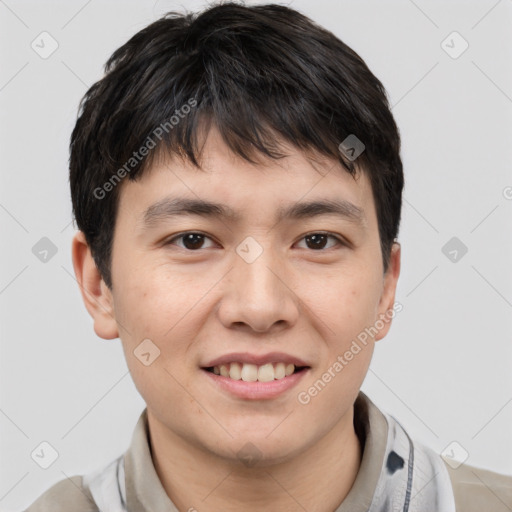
x: 395, y: 474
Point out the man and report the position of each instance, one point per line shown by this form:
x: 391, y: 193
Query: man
x: 236, y: 179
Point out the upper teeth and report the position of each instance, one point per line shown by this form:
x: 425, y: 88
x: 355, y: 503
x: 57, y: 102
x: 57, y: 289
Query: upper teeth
x: 252, y: 373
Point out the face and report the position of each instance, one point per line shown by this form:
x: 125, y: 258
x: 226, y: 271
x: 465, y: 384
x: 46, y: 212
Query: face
x: 264, y: 285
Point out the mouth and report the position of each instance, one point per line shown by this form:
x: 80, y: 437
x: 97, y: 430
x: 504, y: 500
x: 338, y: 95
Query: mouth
x: 248, y: 372
x: 249, y: 381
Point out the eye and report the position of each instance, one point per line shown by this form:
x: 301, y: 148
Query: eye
x: 192, y: 240
x: 317, y: 241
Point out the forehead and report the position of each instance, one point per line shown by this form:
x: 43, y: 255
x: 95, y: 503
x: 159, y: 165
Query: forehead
x: 229, y: 187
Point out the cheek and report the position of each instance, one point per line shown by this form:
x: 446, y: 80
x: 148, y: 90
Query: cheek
x: 160, y: 328
x: 153, y: 302
x: 346, y: 305
x: 346, y: 308
x: 167, y: 310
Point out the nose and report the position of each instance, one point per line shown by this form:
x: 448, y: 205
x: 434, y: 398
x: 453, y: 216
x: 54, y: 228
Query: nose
x: 258, y: 296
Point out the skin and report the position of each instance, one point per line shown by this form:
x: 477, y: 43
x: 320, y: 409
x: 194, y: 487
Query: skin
x: 198, y: 304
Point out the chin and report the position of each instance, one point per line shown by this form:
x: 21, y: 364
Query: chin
x: 257, y: 451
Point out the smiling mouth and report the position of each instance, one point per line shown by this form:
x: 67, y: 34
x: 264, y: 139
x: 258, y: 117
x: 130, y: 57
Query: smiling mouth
x: 255, y: 373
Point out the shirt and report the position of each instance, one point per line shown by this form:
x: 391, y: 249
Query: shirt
x: 396, y: 474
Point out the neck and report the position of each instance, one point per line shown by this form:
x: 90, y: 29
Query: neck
x: 197, y: 479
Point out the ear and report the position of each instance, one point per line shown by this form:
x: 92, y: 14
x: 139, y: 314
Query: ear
x: 386, y: 309
x: 96, y: 295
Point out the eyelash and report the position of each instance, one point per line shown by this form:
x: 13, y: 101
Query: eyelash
x: 185, y: 233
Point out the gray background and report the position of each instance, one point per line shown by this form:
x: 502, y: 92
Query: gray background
x: 445, y: 368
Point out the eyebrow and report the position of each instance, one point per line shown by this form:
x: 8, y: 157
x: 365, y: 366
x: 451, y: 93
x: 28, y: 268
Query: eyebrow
x: 176, y: 206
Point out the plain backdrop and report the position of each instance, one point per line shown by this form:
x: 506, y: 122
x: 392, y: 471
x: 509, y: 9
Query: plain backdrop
x: 444, y: 370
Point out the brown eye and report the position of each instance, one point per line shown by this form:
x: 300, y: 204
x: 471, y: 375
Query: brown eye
x: 192, y: 241
x: 318, y: 241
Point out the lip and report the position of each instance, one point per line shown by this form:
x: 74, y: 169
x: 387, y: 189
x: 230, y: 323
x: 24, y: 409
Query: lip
x: 255, y: 390
x: 257, y: 359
